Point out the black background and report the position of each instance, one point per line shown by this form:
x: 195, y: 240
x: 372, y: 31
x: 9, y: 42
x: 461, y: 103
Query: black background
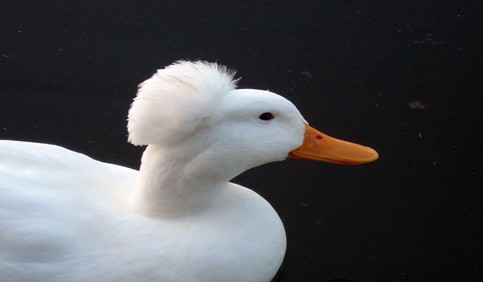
x: 69, y: 71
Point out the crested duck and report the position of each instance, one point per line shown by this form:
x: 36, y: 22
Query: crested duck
x: 67, y: 217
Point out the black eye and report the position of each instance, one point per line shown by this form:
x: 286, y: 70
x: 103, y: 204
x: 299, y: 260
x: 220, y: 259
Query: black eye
x: 266, y: 116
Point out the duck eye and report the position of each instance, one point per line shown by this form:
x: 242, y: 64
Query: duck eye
x: 266, y: 116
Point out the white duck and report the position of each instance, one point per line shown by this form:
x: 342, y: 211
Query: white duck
x: 66, y: 217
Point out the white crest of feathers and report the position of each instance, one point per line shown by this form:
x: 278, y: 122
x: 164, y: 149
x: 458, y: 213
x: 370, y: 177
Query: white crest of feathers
x: 176, y: 100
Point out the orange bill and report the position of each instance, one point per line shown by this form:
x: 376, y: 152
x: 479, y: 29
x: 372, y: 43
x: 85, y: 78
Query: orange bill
x: 320, y: 147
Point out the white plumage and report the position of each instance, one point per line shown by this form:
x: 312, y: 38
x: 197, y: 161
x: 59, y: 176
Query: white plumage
x: 66, y: 217
x: 173, y: 103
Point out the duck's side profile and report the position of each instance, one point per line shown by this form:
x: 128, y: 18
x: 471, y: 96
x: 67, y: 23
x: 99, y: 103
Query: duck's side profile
x: 67, y: 217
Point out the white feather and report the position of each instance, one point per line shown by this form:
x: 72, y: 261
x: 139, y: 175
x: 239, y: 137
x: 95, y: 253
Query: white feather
x: 66, y: 217
x: 176, y: 100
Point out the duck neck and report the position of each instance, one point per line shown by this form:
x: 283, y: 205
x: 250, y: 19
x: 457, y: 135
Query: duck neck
x: 173, y: 184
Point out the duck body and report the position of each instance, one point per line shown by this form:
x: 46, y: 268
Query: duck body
x: 67, y: 217
x: 55, y: 232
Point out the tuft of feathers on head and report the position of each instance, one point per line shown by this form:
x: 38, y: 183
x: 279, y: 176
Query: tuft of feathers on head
x: 177, y: 100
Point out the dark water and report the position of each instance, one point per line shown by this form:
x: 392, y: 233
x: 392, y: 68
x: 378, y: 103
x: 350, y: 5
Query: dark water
x: 401, y: 78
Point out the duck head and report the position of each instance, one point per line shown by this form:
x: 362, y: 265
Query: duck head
x: 194, y: 110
